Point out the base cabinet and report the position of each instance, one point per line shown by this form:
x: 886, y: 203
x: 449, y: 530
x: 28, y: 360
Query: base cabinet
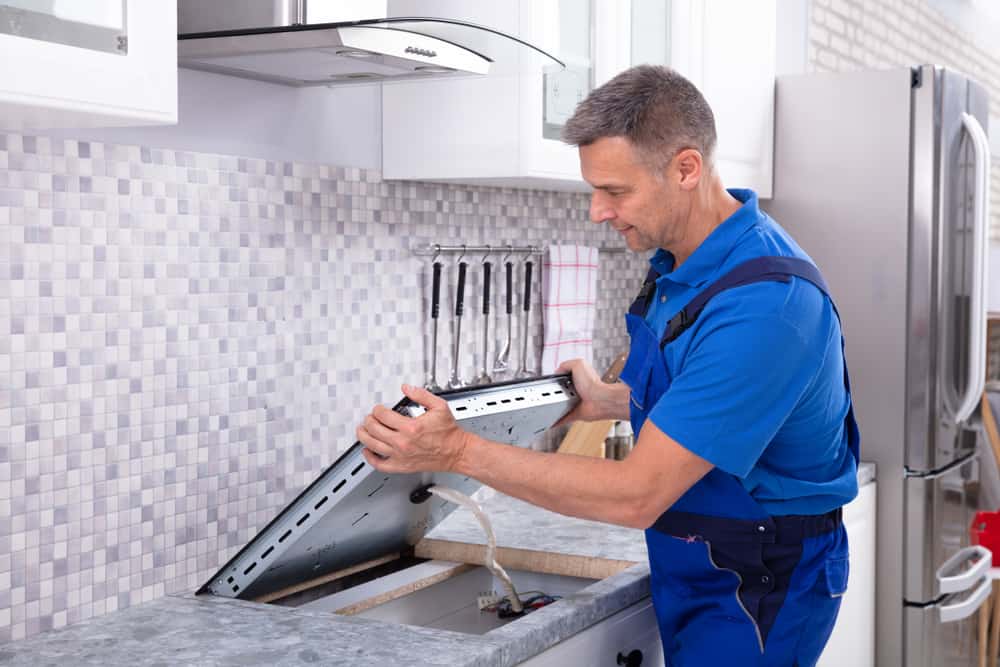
x: 632, y: 634
x: 853, y: 639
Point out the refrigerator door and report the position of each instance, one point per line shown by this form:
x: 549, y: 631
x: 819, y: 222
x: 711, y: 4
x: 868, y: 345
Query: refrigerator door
x: 940, y: 507
x: 962, y: 179
x: 946, y: 278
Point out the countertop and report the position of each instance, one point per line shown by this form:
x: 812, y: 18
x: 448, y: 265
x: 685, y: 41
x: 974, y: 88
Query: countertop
x: 206, y: 630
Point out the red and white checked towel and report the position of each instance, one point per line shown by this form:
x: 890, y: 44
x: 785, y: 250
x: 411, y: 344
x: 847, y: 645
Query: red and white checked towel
x: 569, y: 298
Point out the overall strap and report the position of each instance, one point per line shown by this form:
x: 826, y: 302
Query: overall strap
x: 640, y: 306
x: 760, y: 269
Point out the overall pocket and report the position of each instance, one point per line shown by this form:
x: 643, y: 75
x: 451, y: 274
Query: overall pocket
x: 836, y: 573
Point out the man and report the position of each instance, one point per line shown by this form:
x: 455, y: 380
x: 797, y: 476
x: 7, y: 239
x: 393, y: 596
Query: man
x: 736, y: 384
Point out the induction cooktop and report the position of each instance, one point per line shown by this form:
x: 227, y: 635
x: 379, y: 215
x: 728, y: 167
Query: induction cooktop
x: 353, y: 514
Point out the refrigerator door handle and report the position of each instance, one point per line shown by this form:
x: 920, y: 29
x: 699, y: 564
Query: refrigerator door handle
x: 962, y: 570
x: 968, y: 606
x: 976, y: 379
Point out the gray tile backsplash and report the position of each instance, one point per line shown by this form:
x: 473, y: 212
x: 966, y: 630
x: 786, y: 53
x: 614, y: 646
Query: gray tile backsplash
x: 186, y: 339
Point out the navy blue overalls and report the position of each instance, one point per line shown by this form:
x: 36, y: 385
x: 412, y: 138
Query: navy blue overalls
x: 731, y: 584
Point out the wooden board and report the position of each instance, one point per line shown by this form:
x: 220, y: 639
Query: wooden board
x: 405, y: 589
x: 327, y: 578
x: 990, y: 424
x: 587, y: 438
x: 543, y: 562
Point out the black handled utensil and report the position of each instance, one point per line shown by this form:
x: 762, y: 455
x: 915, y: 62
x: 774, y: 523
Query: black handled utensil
x: 484, y: 376
x: 430, y: 382
x: 503, y: 356
x: 455, y: 382
x: 522, y: 371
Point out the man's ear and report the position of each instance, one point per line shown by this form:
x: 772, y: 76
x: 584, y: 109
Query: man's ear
x: 689, y: 168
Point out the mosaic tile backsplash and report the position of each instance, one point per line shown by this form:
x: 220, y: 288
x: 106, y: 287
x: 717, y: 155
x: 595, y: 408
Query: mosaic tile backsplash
x: 187, y: 339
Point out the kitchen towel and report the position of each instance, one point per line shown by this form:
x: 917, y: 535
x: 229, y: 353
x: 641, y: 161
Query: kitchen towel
x: 569, y: 285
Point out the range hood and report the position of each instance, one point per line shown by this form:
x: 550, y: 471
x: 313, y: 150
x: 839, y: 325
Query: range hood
x: 322, y: 43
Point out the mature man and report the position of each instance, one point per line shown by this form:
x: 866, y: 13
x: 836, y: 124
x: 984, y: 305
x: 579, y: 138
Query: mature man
x: 735, y: 382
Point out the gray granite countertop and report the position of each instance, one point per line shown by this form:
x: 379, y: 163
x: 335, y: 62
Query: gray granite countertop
x: 189, y: 630
x: 206, y: 630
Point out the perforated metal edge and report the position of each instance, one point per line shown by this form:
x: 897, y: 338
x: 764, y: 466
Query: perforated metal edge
x: 350, y: 481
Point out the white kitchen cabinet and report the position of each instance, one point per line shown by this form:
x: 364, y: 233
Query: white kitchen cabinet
x: 503, y: 129
x: 727, y: 48
x: 492, y: 130
x: 100, y: 63
x: 610, y: 642
x: 853, y: 639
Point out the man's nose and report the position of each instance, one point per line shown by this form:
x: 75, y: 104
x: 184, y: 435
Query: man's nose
x: 599, y: 210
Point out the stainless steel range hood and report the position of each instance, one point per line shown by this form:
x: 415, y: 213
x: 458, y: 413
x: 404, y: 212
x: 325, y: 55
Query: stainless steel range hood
x: 302, y: 43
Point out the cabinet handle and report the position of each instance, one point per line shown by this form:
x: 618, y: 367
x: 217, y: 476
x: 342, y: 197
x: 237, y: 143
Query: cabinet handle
x: 633, y: 659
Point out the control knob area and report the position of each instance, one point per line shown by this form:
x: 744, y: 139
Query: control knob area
x: 633, y: 659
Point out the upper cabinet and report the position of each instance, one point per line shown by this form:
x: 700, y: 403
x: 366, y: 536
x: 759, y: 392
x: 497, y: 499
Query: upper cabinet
x: 503, y: 129
x: 68, y: 63
x: 727, y: 49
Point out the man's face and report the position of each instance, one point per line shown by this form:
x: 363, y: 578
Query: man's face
x: 638, y: 203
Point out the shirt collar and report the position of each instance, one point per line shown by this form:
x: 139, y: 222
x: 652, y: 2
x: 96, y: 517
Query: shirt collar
x: 713, y: 250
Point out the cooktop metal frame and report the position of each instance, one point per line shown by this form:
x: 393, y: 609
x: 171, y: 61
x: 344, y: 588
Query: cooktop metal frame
x: 353, y: 513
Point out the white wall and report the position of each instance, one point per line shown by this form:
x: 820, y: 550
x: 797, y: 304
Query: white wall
x: 792, y: 37
x: 224, y: 114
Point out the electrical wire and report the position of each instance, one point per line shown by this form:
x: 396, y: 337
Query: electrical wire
x: 459, y: 498
x: 504, y: 609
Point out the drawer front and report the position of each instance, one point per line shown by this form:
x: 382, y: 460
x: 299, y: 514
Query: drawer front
x: 632, y: 629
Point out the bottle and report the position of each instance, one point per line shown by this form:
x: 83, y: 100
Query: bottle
x: 624, y: 430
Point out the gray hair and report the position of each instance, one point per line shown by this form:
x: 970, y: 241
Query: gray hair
x: 655, y: 108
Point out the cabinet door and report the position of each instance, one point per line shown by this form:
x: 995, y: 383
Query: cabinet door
x: 727, y: 49
x: 494, y: 129
x: 853, y: 639
x: 609, y: 642
x: 65, y: 74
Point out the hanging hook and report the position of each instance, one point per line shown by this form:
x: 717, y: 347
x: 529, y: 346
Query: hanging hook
x: 461, y: 255
x: 486, y: 255
x: 510, y: 249
x: 437, y: 252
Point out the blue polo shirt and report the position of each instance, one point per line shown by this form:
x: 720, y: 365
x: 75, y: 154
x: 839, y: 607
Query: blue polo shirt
x: 757, y: 382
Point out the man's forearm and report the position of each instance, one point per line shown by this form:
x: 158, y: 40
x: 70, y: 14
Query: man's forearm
x: 585, y: 487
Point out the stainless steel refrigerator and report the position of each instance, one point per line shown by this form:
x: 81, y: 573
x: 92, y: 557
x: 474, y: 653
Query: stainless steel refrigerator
x: 883, y: 178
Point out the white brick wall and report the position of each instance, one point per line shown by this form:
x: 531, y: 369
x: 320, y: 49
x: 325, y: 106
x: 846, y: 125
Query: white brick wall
x: 877, y: 34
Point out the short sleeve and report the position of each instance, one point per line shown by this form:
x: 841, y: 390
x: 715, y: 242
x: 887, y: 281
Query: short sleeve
x: 742, y: 376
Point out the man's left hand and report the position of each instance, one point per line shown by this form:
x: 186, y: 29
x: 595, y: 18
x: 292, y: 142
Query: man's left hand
x: 395, y: 443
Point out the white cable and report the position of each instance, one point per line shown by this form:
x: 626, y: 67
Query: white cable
x: 459, y: 498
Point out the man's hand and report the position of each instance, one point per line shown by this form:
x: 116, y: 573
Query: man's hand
x: 432, y: 442
x: 598, y: 400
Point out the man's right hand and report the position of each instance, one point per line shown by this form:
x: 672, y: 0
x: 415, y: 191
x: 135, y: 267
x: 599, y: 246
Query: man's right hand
x: 598, y: 400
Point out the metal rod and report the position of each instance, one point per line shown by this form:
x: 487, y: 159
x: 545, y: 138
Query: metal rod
x: 429, y: 250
